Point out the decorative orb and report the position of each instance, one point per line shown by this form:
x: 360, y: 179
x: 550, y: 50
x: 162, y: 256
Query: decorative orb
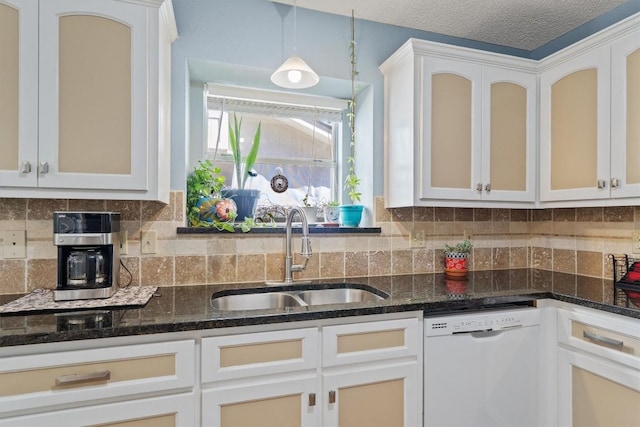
x: 216, y: 209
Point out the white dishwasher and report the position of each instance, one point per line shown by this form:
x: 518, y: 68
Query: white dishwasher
x: 481, y: 368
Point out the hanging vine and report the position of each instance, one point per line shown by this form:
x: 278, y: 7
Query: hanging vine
x: 352, y: 181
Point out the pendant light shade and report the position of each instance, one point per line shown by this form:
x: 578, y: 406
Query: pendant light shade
x: 294, y: 73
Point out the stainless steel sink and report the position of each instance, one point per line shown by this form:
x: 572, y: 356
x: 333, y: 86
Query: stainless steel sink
x: 338, y: 296
x: 282, y: 299
x: 255, y: 301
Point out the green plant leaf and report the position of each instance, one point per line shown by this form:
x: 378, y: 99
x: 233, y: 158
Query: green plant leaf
x: 253, y: 154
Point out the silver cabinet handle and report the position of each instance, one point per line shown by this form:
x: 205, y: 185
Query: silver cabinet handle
x: 43, y: 167
x: 312, y: 399
x: 615, y: 183
x: 74, y: 379
x: 332, y: 396
x: 599, y: 339
x: 487, y: 188
x: 602, y: 184
x: 25, y: 167
x: 479, y: 187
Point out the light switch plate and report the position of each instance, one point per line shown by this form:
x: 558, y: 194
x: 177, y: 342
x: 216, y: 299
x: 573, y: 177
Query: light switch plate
x: 15, y: 244
x: 148, y: 242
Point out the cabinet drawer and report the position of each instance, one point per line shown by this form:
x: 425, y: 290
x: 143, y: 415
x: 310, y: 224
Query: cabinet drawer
x: 262, y: 353
x: 617, y: 339
x: 75, y: 376
x: 165, y: 411
x: 371, y: 341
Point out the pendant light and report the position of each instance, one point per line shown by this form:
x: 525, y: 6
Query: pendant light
x: 294, y: 73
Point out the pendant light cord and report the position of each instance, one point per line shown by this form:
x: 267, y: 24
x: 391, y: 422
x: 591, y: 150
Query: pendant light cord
x: 295, y: 19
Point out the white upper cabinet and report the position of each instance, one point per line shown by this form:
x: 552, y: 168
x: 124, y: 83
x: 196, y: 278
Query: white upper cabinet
x: 459, y: 125
x: 589, y: 128
x: 98, y: 100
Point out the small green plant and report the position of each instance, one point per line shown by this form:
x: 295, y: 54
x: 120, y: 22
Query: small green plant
x: 203, y: 181
x: 333, y: 203
x: 352, y: 181
x: 463, y: 247
x: 242, y: 171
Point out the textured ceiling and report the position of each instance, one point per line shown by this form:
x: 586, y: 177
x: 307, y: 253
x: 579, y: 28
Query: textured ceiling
x: 523, y: 24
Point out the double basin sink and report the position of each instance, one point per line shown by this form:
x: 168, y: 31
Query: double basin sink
x: 278, y: 299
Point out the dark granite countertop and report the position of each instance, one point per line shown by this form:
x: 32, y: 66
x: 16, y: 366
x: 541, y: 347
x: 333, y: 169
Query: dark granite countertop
x: 188, y: 308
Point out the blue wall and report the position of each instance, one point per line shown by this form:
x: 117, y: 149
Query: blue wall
x: 243, y: 41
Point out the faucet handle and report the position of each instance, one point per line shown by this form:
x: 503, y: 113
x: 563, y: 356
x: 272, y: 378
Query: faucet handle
x: 305, y: 251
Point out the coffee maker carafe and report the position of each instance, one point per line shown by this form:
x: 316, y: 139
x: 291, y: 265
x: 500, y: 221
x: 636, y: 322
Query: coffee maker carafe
x: 88, y: 254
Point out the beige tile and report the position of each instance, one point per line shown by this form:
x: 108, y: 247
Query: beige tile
x: 87, y: 205
x: 519, y: 257
x: 41, y: 249
x: 332, y: 264
x: 564, y: 260
x: 221, y: 268
x: 42, y: 273
x: 482, y: 259
x: 542, y: 257
x: 13, y: 209
x: 275, y: 267
x: 423, y: 261
x: 402, y: 214
x: 381, y: 214
x: 191, y: 270
x: 251, y: 268
x: 157, y: 271
x: 180, y: 206
x: 131, y: 274
x: 589, y: 263
x: 129, y: 209
x: 40, y: 230
x: 380, y: 263
x: 220, y: 245
x: 42, y: 209
x: 190, y: 246
x: 618, y: 214
x: 591, y: 288
x: 501, y: 258
x: 356, y: 263
x: 402, y: 262
x: 12, y: 276
x: 423, y: 214
x: 157, y: 211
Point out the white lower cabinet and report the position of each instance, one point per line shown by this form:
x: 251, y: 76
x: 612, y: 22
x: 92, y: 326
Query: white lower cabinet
x: 598, y: 369
x: 341, y: 375
x: 141, y: 384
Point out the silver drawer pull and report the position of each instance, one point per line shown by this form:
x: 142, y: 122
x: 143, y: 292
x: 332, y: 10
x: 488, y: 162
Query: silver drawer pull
x: 599, y: 339
x: 73, y: 379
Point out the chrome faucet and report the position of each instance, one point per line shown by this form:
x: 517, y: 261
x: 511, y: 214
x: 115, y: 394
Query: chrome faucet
x: 305, y: 251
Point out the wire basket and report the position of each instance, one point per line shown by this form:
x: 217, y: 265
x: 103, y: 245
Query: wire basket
x: 626, y: 292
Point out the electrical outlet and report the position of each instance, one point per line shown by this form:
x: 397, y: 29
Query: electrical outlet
x: 148, y: 242
x: 15, y: 244
x: 635, y: 242
x: 466, y: 234
x: 124, y: 244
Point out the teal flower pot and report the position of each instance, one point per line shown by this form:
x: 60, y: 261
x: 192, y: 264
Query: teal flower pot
x: 350, y: 215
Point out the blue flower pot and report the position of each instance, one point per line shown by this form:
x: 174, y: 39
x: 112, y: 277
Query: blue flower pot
x: 350, y: 215
x: 246, y: 200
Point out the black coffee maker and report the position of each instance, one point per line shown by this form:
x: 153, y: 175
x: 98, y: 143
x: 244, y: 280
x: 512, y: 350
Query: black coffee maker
x: 88, y: 254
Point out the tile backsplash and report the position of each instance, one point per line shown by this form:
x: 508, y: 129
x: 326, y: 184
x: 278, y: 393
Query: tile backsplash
x: 573, y: 240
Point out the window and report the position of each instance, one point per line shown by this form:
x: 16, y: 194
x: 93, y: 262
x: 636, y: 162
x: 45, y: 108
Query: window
x: 300, y: 137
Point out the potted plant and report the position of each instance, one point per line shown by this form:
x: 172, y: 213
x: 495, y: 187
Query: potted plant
x: 246, y: 199
x: 351, y: 215
x: 205, y: 206
x: 331, y: 212
x: 455, y: 258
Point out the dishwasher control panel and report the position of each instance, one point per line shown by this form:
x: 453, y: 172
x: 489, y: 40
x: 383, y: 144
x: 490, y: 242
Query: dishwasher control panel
x: 481, y: 321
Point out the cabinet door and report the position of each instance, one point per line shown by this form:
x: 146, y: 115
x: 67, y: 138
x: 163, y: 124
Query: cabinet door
x: 19, y: 92
x: 266, y: 403
x: 574, y: 128
x: 382, y: 396
x: 594, y: 392
x: 508, y: 135
x: 625, y: 116
x: 166, y: 411
x: 451, y: 131
x: 93, y: 105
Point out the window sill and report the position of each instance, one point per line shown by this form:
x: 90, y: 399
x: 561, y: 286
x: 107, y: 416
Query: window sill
x: 313, y: 229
